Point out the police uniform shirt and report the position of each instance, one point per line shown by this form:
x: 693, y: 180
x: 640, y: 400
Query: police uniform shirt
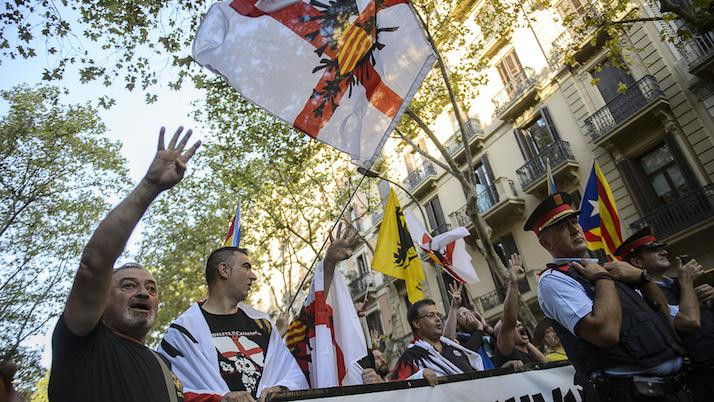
x: 563, y: 299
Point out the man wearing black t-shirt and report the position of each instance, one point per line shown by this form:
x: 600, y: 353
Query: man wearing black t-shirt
x: 98, y: 351
x: 513, y: 347
x: 224, y: 350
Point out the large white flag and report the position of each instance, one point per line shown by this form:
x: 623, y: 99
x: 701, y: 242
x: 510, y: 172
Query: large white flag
x: 326, y: 337
x: 447, y: 250
x: 341, y: 71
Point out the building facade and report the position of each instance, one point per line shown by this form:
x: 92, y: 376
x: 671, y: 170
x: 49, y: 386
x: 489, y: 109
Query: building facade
x: 648, y: 123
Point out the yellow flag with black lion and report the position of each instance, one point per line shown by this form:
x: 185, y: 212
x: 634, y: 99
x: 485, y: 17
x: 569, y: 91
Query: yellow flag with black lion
x: 395, y: 254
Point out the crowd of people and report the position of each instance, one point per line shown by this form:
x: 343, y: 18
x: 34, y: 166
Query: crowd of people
x: 631, y: 332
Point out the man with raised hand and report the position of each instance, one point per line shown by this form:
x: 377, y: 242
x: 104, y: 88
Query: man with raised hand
x: 224, y: 350
x: 431, y: 354
x: 98, y: 345
x: 513, y: 346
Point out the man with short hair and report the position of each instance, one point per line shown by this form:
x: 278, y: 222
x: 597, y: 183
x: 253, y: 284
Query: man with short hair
x: 98, y: 351
x: 693, y: 314
x: 224, y: 350
x: 430, y: 354
x: 622, y: 344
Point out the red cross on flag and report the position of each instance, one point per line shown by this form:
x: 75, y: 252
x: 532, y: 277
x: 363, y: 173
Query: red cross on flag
x: 341, y: 71
x: 447, y: 250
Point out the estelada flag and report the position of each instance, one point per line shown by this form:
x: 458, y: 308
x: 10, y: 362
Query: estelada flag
x: 340, y: 71
x: 446, y: 250
x: 326, y: 337
x: 395, y: 254
x: 598, y: 214
x: 233, y: 235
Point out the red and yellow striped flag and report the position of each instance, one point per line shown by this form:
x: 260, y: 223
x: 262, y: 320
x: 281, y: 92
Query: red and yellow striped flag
x: 599, y: 217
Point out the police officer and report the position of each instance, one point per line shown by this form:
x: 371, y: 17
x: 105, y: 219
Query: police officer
x: 695, y: 325
x: 622, y: 344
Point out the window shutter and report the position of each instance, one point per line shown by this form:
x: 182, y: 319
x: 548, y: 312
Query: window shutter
x: 487, y: 167
x: 549, y: 122
x: 439, y: 215
x: 520, y: 142
x: 681, y: 160
x: 639, y: 185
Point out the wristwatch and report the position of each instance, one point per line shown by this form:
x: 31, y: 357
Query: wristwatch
x: 644, y: 278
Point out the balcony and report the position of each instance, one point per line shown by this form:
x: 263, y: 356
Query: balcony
x: 421, y: 180
x: 628, y: 110
x: 520, y: 92
x: 562, y: 163
x: 359, y: 286
x: 681, y: 217
x: 499, y: 204
x: 578, y: 33
x: 443, y: 228
x: 475, y: 136
x: 699, y: 53
x: 490, y: 300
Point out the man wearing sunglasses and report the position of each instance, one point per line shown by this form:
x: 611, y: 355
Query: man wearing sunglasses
x: 431, y: 355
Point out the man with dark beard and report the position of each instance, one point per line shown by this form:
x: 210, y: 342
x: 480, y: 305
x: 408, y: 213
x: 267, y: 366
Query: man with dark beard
x: 98, y: 351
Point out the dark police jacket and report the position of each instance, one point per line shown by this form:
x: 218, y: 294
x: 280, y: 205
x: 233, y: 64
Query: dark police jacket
x: 646, y: 338
x: 700, y: 343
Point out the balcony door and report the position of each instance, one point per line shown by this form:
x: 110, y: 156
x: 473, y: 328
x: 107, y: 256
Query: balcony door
x: 511, y: 71
x: 485, y: 189
x: 534, y: 138
x: 659, y: 177
x: 435, y: 215
x: 610, y: 83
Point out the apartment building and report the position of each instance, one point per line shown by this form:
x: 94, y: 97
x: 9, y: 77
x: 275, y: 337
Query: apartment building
x: 654, y: 142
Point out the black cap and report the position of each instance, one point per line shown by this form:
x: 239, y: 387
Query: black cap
x: 550, y: 211
x: 641, y: 240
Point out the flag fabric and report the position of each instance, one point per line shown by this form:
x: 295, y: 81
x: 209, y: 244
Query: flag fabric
x: 447, y: 250
x: 342, y: 72
x: 233, y: 236
x: 395, y: 254
x: 551, y: 181
x: 599, y: 217
x: 326, y: 337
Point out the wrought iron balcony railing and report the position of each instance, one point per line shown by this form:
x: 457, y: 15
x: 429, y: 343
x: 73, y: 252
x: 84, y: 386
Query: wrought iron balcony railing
x: 625, y: 105
x: 454, y: 143
x: 556, y: 153
x: 419, y: 176
x: 491, y: 300
x: 486, y: 199
x: 518, y: 85
x: 698, y: 49
x: 681, y: 214
x: 443, y: 228
x: 359, y: 285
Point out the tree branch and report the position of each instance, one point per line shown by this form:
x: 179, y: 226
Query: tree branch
x: 422, y: 153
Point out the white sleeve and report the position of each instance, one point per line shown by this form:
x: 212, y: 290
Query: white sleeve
x: 563, y: 299
x: 673, y: 310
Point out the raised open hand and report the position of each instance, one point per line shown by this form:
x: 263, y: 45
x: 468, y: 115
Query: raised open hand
x: 516, y: 273
x: 169, y: 164
x: 341, y: 245
x: 455, y: 294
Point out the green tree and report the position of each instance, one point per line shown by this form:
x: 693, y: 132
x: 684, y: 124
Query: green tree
x: 291, y: 191
x: 55, y: 167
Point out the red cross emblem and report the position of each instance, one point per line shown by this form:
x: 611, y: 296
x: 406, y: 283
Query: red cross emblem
x: 345, y: 38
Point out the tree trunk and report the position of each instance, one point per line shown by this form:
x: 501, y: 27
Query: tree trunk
x: 468, y: 184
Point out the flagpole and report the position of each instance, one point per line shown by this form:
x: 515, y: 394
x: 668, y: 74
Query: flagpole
x: 322, y: 247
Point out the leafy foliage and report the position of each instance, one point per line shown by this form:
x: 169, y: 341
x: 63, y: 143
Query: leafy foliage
x: 55, y: 167
x: 290, y: 188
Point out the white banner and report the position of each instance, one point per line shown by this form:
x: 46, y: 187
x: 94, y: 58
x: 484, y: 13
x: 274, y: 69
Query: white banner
x: 554, y: 384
